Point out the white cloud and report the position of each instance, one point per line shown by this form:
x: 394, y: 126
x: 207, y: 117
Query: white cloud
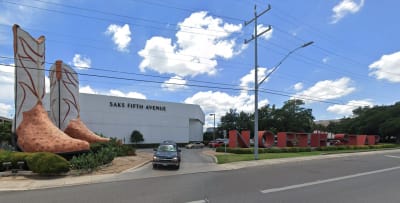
x: 121, y: 35
x: 267, y: 35
x: 220, y: 103
x: 325, y: 60
x: 113, y: 92
x: 81, y: 62
x: 298, y: 86
x: 200, y: 40
x: 24, y: 15
x: 5, y: 110
x: 87, y: 89
x: 247, y: 81
x: 387, y: 67
x: 119, y: 93
x: 7, y: 83
x: 345, y: 7
x: 174, y: 83
x: 327, y: 89
x: 347, y: 109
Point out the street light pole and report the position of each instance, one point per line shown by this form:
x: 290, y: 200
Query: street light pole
x: 256, y: 83
x: 213, y: 114
x: 255, y: 36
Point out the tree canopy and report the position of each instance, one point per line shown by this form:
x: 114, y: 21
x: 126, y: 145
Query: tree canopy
x: 292, y: 116
x: 378, y: 120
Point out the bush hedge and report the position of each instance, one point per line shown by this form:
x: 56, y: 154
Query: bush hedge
x: 263, y: 150
x: 46, y: 163
x: 304, y: 149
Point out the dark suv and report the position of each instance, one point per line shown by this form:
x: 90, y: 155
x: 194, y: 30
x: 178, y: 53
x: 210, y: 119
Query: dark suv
x: 167, y: 154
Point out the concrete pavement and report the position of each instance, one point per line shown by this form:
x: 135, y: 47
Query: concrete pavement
x: 31, y: 181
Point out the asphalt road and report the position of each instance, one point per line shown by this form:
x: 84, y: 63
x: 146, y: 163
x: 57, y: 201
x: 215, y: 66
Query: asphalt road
x: 369, y: 178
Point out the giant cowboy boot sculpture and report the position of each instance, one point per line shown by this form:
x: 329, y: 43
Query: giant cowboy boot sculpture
x: 64, y: 103
x: 35, y: 131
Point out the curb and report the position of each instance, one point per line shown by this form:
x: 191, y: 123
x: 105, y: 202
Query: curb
x: 253, y: 163
x: 135, y: 167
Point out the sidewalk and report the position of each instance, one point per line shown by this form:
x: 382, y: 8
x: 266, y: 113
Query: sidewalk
x: 31, y: 181
x: 26, y: 180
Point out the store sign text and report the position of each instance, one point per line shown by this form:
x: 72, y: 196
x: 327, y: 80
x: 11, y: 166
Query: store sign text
x: 137, y: 106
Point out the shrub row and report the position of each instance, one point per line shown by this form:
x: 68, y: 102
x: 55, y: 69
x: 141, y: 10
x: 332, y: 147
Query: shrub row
x: 304, y: 149
x: 356, y: 147
x: 43, y: 163
x: 264, y: 150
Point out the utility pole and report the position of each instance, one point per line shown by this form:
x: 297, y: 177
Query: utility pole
x: 255, y: 36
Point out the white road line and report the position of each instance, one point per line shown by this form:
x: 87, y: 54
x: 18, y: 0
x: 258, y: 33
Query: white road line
x: 328, y: 180
x: 391, y: 156
x: 199, y: 201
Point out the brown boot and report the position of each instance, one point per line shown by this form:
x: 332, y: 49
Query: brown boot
x: 37, y: 133
x: 77, y: 129
x: 64, y: 103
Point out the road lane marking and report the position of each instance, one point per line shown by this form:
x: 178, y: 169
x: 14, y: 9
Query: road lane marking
x: 200, y: 201
x: 290, y: 187
x: 391, y: 156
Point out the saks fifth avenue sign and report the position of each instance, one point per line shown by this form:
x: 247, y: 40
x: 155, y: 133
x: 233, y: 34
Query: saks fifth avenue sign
x: 137, y: 106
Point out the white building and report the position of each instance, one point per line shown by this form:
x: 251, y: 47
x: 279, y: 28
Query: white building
x: 157, y: 121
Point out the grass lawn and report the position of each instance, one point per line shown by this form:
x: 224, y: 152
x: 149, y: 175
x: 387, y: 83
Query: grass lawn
x: 227, y: 158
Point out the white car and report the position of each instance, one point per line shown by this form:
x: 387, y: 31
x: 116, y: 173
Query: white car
x: 194, y: 145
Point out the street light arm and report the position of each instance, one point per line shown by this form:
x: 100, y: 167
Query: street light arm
x: 283, y: 59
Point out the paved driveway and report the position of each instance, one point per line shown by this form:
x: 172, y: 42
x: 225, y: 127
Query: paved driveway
x: 193, y: 161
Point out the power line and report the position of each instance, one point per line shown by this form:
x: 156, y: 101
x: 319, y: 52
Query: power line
x: 189, y: 10
x: 93, y: 10
x: 109, y: 20
x: 109, y: 69
x: 268, y: 91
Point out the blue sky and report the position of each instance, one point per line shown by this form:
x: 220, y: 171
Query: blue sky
x: 193, y: 52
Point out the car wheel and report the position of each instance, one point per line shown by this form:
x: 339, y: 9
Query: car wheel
x: 154, y: 166
x: 177, y: 167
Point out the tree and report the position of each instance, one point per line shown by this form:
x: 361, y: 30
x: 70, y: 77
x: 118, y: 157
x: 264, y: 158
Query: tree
x: 293, y: 117
x: 136, y: 137
x: 5, y: 132
x: 228, y: 122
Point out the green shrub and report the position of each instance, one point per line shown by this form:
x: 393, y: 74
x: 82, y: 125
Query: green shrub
x: 47, y: 163
x: 91, y: 161
x: 361, y: 147
x: 328, y: 148
x: 14, y: 158
x: 116, y: 146
x: 274, y: 150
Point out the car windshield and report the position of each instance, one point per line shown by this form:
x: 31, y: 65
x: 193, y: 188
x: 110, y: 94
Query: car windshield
x: 166, y: 148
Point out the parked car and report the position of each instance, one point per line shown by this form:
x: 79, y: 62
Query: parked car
x: 216, y: 143
x: 194, y: 145
x: 167, y: 154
